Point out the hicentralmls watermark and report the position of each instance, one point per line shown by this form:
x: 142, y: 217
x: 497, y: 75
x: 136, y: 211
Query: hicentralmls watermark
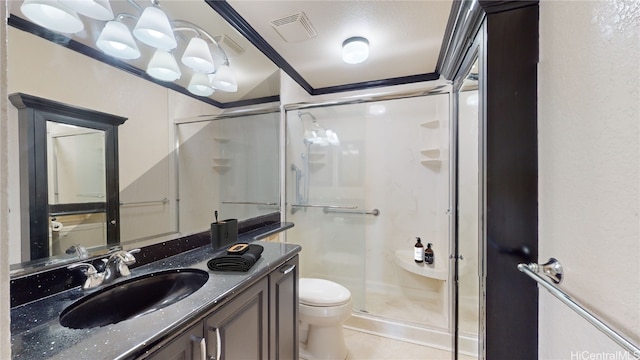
x: 613, y: 355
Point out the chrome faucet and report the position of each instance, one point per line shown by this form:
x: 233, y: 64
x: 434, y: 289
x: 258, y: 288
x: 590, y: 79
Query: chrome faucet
x: 115, y: 266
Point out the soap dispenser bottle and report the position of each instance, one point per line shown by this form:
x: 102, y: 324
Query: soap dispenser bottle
x: 428, y: 254
x: 418, y: 251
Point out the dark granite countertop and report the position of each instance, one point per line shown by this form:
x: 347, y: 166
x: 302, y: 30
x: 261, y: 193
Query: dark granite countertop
x: 37, y: 334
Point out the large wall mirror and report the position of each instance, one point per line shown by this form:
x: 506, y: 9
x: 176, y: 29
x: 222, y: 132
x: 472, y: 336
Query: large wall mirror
x: 171, y: 138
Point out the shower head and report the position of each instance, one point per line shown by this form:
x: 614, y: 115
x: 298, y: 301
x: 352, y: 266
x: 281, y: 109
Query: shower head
x: 314, y: 133
x: 301, y: 113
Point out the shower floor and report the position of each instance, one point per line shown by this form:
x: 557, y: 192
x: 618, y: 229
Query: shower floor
x: 412, y: 317
x: 411, y: 308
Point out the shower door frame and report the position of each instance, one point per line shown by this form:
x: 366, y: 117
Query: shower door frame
x: 436, y: 89
x: 509, y: 120
x: 473, y: 54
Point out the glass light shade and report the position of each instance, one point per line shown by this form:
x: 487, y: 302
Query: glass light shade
x: 163, y: 66
x: 355, y: 50
x: 95, y: 9
x: 200, y: 85
x: 198, y: 57
x: 332, y: 137
x: 116, y: 40
x: 224, y: 79
x: 153, y: 28
x: 52, y: 15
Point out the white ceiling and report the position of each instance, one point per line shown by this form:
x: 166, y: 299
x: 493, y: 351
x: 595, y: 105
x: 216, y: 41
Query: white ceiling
x: 405, y: 37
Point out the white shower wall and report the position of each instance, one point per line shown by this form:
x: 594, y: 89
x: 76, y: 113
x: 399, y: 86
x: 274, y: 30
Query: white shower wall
x: 382, y: 163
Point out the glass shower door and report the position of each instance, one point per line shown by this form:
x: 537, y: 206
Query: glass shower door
x: 469, y: 220
x: 325, y: 194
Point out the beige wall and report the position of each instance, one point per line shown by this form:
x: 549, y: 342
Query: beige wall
x: 589, y: 173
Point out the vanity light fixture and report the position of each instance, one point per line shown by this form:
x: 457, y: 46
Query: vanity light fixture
x: 116, y: 40
x: 95, y: 9
x: 163, y: 66
x: 200, y: 84
x: 207, y: 59
x: 153, y: 28
x: 53, y: 15
x: 198, y: 57
x: 355, y: 50
x: 224, y: 79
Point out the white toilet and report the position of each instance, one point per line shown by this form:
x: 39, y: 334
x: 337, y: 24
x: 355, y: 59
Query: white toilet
x: 324, y: 307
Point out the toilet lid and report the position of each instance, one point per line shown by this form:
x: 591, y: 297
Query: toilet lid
x: 320, y: 292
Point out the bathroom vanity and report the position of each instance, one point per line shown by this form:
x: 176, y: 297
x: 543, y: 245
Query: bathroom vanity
x: 258, y: 323
x: 234, y: 315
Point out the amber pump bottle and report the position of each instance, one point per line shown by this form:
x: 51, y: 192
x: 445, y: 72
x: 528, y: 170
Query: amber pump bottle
x: 418, y: 251
x: 428, y: 254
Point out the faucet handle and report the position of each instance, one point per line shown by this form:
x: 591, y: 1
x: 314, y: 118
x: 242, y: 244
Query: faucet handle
x: 123, y: 259
x: 88, y: 268
x: 127, y: 256
x: 94, y: 278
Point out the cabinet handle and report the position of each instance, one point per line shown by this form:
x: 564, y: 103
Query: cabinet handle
x: 287, y: 269
x: 218, y: 344
x: 203, y: 349
x: 202, y: 345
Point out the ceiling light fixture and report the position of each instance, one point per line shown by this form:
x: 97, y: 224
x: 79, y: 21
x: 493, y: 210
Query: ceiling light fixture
x: 53, y: 15
x: 116, y: 40
x: 163, y: 66
x: 95, y: 9
x: 355, y: 50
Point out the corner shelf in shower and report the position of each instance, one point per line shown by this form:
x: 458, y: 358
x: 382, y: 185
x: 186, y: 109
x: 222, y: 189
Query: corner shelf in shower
x: 221, y: 168
x: 221, y: 164
x: 431, y: 153
x: 404, y: 259
x: 316, y: 156
x: 220, y: 161
x: 432, y: 163
x: 433, y: 124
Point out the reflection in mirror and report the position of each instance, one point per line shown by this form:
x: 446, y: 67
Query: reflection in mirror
x: 68, y: 170
x: 76, y: 174
x: 75, y: 164
x: 208, y: 60
x: 229, y: 165
x: 148, y: 190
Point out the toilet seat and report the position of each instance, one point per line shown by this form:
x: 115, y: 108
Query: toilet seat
x: 322, y: 293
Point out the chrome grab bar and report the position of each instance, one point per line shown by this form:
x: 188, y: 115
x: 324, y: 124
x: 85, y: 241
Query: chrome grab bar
x: 250, y: 203
x: 553, y: 265
x: 374, y: 212
x: 324, y: 206
x: 161, y: 201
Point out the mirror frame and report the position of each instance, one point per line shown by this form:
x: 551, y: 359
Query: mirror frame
x: 33, y: 114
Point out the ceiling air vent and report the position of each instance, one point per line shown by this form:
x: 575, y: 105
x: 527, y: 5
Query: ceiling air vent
x: 294, y: 28
x: 230, y: 47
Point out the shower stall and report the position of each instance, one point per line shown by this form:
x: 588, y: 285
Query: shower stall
x: 363, y: 181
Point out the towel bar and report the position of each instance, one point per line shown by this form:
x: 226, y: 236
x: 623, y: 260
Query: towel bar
x: 532, y: 271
